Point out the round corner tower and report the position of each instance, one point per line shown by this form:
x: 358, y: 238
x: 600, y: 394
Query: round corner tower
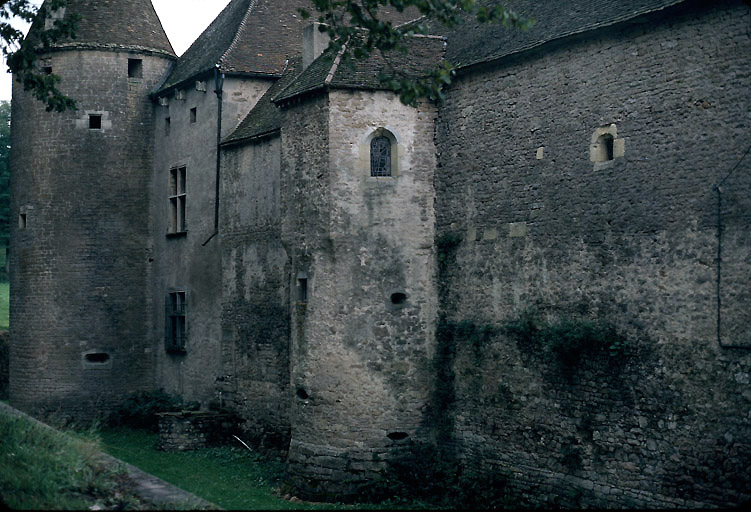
x: 80, y: 247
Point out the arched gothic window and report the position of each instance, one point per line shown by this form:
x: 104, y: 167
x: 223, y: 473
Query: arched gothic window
x: 380, y: 156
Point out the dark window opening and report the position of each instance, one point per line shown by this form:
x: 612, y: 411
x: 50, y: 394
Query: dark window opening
x: 176, y: 310
x: 135, y: 68
x: 167, y: 125
x: 47, y: 70
x: 398, y: 436
x: 380, y: 156
x: 605, y: 148
x: 95, y: 121
x: 21, y: 221
x: 302, y: 394
x: 193, y: 114
x: 98, y: 358
x: 398, y: 298
x: 302, y: 290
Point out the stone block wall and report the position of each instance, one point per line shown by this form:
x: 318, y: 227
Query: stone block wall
x: 181, y: 431
x: 191, y: 261
x: 529, y: 223
x: 362, y: 249
x: 80, y: 271
x: 255, y: 301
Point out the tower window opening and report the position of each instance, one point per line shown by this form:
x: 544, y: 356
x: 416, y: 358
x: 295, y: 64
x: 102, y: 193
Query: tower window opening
x: 398, y: 298
x: 47, y: 70
x: 95, y: 121
x: 193, y: 114
x: 135, y: 68
x: 21, y: 221
x: 167, y: 125
x: 302, y: 290
x: 97, y: 357
x: 380, y: 156
x: 604, y: 148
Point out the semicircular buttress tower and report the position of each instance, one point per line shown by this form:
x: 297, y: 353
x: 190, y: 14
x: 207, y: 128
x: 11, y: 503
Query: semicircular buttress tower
x: 80, y: 252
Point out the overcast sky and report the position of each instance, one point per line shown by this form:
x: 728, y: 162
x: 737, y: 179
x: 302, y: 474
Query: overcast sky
x: 183, y: 20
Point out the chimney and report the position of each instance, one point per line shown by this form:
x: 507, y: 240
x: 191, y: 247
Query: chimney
x: 314, y: 42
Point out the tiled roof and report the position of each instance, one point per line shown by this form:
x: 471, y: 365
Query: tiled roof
x: 248, y: 36
x: 253, y: 37
x: 114, y: 24
x: 473, y: 42
x: 330, y: 72
x: 265, y: 118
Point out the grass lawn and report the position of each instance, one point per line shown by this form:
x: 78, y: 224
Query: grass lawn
x: 231, y: 477
x: 4, y: 305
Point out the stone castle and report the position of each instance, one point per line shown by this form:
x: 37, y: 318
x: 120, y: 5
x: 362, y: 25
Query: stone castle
x: 546, y: 276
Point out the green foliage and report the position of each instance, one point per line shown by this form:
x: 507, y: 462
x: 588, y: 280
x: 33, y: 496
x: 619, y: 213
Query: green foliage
x: 569, y: 340
x: 356, y: 27
x: 22, y: 57
x: 139, y: 409
x: 43, y: 469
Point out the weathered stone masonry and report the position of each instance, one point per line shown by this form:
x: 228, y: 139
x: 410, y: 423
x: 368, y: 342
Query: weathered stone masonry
x: 634, y: 243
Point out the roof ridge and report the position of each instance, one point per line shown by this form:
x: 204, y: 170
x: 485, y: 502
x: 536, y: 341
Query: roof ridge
x: 335, y: 65
x: 240, y: 27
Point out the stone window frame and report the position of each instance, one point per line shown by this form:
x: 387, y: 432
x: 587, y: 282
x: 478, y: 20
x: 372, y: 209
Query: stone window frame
x: 603, y: 156
x: 364, y: 162
x: 176, y: 321
x: 178, y: 198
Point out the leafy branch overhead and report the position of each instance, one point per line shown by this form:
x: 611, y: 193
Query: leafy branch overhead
x: 358, y: 28
x: 22, y: 58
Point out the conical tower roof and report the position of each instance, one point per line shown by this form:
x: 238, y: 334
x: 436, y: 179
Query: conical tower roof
x: 124, y: 24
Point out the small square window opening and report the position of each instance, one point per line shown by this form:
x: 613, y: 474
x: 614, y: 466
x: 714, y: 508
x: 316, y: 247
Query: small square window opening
x: 47, y: 70
x: 135, y: 68
x: 95, y: 121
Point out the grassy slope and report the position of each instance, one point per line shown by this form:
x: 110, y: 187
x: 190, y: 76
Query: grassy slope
x: 4, y: 305
x: 45, y: 469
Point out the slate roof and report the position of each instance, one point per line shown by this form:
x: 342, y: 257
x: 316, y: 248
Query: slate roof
x: 128, y: 24
x: 329, y: 72
x: 265, y: 118
x: 473, y: 42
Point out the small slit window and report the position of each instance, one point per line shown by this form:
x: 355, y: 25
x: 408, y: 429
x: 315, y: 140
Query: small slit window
x: 22, y: 221
x: 302, y: 290
x: 167, y: 125
x: 380, y: 156
x: 604, y: 148
x: 193, y: 114
x: 95, y: 121
x: 135, y: 68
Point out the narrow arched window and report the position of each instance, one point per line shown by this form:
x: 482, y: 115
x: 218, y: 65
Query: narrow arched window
x: 604, y: 148
x: 380, y: 156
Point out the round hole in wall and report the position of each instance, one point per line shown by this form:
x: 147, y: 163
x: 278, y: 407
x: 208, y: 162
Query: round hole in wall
x: 398, y: 298
x: 302, y: 394
x: 97, y: 357
x: 397, y: 436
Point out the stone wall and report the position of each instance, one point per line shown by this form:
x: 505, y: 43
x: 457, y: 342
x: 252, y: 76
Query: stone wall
x: 80, y: 271
x: 181, y: 431
x: 191, y: 261
x: 255, y: 284
x: 361, y: 248
x: 529, y: 223
x: 4, y: 367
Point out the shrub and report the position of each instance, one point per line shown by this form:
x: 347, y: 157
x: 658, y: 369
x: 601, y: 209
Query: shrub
x: 139, y: 409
